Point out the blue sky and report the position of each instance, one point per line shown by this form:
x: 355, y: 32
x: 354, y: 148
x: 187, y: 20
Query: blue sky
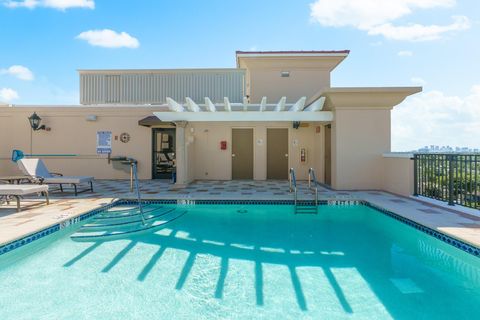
x: 433, y: 43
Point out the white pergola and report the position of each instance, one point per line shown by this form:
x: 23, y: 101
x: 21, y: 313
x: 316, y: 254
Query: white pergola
x: 245, y: 111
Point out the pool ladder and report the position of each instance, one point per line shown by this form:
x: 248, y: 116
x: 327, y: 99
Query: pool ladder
x: 304, y: 207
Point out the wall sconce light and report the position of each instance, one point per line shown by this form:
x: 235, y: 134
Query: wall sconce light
x: 35, y: 120
x: 296, y: 124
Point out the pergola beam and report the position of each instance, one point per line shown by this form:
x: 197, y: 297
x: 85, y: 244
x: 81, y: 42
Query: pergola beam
x: 281, y: 104
x: 298, y: 106
x: 227, y: 104
x: 246, y: 116
x: 192, y: 106
x: 317, y: 105
x: 263, y: 104
x: 245, y: 104
x: 174, y: 105
x: 209, y: 104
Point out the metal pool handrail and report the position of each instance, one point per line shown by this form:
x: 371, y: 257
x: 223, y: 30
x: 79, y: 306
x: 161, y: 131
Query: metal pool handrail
x: 293, y: 183
x: 311, y: 176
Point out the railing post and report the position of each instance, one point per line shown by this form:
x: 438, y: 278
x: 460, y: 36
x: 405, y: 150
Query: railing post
x: 415, y: 175
x: 309, y: 178
x: 450, y: 179
x: 290, y: 180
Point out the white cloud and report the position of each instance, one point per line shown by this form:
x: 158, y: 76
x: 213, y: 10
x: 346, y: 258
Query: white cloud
x: 7, y: 94
x: 376, y: 17
x: 405, y: 53
x: 21, y: 4
x: 438, y: 119
x: 418, y: 32
x: 109, y: 39
x: 55, y: 4
x: 21, y: 72
x: 418, y: 81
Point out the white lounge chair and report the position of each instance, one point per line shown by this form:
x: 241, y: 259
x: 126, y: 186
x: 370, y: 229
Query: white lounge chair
x: 36, y: 169
x: 17, y: 191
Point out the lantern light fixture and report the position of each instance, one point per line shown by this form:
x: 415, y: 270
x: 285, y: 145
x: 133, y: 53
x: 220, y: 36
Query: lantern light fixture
x: 35, y: 121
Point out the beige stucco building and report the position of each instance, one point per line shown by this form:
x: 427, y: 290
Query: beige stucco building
x: 275, y: 111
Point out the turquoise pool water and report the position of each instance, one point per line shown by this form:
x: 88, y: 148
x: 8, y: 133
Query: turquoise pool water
x: 245, y: 262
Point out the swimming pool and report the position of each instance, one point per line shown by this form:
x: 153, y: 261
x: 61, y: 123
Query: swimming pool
x: 243, y: 262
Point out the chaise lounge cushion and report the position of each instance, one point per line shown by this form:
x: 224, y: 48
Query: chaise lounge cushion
x: 37, y: 169
x: 21, y: 189
x: 67, y: 179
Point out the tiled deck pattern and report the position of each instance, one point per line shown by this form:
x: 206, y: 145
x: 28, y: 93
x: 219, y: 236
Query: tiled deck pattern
x: 451, y: 221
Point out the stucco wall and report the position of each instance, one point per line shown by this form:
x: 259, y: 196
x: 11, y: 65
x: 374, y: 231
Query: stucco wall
x: 359, y: 138
x: 307, y: 76
x: 210, y: 162
x: 398, y: 174
x: 72, y: 134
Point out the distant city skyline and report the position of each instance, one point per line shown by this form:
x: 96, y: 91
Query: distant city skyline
x: 446, y: 149
x: 432, y: 43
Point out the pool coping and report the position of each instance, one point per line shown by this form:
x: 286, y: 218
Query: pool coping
x: 442, y: 236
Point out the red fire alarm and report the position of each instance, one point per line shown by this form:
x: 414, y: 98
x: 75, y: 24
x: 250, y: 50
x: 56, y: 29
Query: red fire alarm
x: 223, y: 145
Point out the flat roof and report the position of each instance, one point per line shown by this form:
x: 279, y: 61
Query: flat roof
x: 186, y: 70
x: 294, y: 53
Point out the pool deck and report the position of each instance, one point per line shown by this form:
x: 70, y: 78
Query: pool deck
x: 457, y: 222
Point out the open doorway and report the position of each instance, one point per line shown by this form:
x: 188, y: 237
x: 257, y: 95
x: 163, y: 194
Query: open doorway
x: 163, y: 153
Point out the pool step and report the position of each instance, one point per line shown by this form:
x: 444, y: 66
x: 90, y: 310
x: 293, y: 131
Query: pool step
x: 306, y: 209
x: 115, y: 222
x: 129, y: 211
x: 93, y: 232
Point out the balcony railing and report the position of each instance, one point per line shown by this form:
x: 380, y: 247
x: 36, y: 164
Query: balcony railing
x: 454, y: 178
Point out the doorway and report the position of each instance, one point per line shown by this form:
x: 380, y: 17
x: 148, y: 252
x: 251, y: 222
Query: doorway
x: 163, y: 153
x: 242, y: 154
x: 328, y: 154
x: 277, y: 153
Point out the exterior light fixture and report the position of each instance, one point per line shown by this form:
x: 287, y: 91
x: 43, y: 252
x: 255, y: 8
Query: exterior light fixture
x: 35, y: 120
x: 296, y: 124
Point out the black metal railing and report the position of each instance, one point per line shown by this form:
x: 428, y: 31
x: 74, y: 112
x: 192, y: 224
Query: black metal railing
x: 454, y: 178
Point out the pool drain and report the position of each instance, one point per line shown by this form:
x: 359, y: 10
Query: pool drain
x: 242, y: 211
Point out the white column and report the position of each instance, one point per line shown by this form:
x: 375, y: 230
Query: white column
x: 181, y: 155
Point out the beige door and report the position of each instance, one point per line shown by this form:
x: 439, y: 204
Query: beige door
x: 328, y: 154
x: 242, y: 154
x: 277, y: 153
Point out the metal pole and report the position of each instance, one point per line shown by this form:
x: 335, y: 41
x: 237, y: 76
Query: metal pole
x: 138, y: 192
x: 415, y: 175
x: 450, y: 180
x: 131, y: 176
x: 290, y: 180
x: 309, y: 178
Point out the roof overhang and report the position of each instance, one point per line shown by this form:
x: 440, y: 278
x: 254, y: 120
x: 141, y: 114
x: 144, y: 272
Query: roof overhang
x: 364, y: 98
x: 151, y: 121
x: 269, y: 54
x: 299, y: 59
